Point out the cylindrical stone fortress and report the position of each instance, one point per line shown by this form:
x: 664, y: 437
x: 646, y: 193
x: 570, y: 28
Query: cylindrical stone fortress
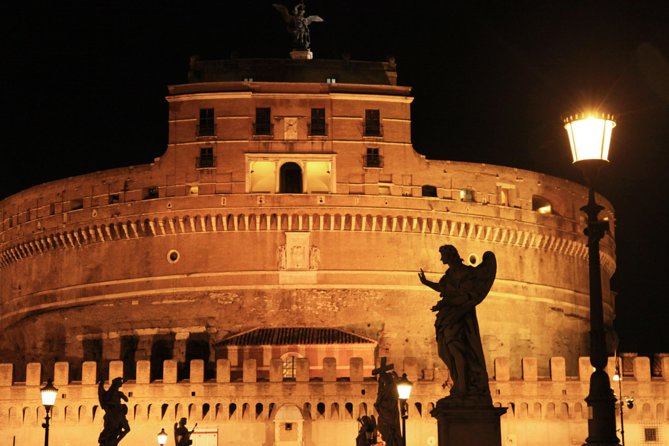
x: 289, y: 196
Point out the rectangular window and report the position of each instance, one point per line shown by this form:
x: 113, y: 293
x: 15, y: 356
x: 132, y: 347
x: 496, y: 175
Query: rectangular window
x: 372, y: 123
x: 206, y: 126
x: 151, y: 193
x: 77, y: 203
x: 263, y: 125
x: 372, y: 158
x: 317, y: 126
x: 206, y: 158
x: 114, y: 198
x: 650, y: 435
x: 467, y: 195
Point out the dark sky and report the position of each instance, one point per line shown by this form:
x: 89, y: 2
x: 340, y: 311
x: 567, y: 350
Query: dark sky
x: 83, y: 88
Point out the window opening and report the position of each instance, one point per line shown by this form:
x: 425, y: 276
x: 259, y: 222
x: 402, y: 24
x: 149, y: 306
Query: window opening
x: 372, y: 123
x: 114, y: 198
x: 263, y: 125
x: 467, y: 195
x: 290, y: 178
x: 317, y: 127
x: 151, y: 193
x: 373, y: 158
x: 541, y: 205
x: 206, y: 126
x: 289, y: 366
x: 429, y: 191
x: 77, y: 203
x: 206, y: 158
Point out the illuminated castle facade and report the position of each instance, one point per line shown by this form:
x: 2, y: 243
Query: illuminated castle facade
x: 258, y: 270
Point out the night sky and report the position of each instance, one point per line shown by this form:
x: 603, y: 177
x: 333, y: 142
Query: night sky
x: 83, y: 88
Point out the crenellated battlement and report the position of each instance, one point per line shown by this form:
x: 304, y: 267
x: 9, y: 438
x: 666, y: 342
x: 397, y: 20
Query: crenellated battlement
x: 635, y: 369
x: 246, y: 397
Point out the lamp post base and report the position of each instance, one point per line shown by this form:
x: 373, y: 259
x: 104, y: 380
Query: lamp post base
x: 461, y: 426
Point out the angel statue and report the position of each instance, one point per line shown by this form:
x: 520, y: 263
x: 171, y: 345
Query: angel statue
x: 298, y: 24
x: 115, y: 419
x: 462, y: 288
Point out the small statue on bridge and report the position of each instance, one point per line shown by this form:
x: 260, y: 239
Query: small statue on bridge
x: 182, y: 434
x: 462, y: 288
x: 115, y: 419
x: 367, y: 434
x: 387, y: 405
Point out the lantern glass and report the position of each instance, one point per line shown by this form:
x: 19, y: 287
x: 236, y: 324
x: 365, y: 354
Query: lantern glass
x: 590, y: 136
x: 162, y: 436
x: 404, y: 387
x: 48, y: 393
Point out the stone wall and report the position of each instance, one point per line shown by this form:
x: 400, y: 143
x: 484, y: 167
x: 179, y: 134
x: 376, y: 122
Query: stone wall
x: 542, y: 409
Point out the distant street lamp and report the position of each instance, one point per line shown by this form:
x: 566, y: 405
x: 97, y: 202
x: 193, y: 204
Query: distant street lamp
x: 404, y: 391
x: 618, y: 376
x: 590, y: 137
x: 162, y: 436
x: 48, y: 393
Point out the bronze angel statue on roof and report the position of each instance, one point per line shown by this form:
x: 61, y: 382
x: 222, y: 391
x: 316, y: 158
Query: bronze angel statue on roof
x: 462, y: 288
x: 298, y: 25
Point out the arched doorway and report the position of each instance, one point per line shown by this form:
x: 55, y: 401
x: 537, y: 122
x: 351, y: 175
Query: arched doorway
x: 290, y: 178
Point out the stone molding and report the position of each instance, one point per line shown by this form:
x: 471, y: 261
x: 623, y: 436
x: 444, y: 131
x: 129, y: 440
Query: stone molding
x: 268, y: 222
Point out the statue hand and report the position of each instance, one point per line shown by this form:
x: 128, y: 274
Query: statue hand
x: 421, y: 276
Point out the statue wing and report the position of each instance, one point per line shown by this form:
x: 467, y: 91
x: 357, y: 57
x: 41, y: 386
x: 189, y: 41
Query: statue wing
x: 285, y: 14
x: 485, y: 276
x: 312, y: 19
x: 102, y: 393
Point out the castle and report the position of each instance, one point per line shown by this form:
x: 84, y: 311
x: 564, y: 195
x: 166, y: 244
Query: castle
x: 254, y: 274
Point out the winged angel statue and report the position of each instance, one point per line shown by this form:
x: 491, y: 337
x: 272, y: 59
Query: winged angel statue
x: 462, y: 288
x: 298, y: 24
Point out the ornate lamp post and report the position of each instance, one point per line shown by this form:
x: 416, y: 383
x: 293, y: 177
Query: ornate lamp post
x: 404, y: 391
x: 590, y: 137
x: 162, y: 436
x: 48, y: 393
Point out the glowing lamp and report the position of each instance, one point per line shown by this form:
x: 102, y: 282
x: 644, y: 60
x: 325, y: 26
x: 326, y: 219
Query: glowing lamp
x: 404, y: 387
x: 589, y: 135
x: 162, y: 436
x: 49, y: 393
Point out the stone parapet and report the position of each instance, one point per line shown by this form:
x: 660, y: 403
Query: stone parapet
x: 345, y: 398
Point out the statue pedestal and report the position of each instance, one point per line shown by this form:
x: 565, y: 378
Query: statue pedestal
x: 301, y: 55
x: 463, y: 426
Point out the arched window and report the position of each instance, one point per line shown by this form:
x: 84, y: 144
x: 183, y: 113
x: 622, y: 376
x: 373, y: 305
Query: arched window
x: 290, y: 178
x: 429, y: 191
x: 541, y: 205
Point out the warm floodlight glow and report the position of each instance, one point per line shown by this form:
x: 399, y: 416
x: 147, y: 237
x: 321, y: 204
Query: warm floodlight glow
x: 589, y: 136
x: 49, y: 393
x: 617, y: 377
x: 547, y: 209
x: 162, y: 436
x: 404, y: 387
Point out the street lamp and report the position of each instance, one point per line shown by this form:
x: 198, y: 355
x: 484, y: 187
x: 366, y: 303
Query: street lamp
x: 404, y: 391
x: 590, y: 137
x: 618, y: 376
x: 162, y: 436
x: 48, y: 393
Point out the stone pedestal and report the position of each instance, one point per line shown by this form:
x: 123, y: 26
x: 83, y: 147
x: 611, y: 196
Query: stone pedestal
x: 301, y: 55
x: 462, y: 426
